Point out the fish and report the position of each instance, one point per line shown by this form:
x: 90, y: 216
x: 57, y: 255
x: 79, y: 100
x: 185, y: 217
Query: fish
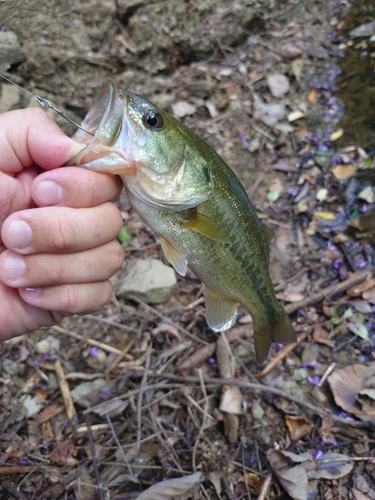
x: 195, y: 204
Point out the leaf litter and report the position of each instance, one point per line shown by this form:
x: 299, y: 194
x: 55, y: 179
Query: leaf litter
x: 143, y: 400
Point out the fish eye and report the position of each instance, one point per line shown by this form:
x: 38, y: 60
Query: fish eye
x: 153, y: 120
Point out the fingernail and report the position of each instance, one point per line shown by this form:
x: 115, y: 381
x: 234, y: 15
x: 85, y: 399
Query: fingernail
x: 49, y: 193
x: 14, y: 267
x: 32, y: 293
x: 19, y: 234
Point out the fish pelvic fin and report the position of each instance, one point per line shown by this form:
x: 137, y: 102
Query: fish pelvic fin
x: 174, y: 256
x: 281, y: 332
x: 221, y: 314
x: 207, y: 227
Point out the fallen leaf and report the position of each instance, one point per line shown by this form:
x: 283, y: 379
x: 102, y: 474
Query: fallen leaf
x: 284, y: 167
x: 298, y: 426
x: 358, y: 328
x: 183, y: 108
x: 292, y: 477
x: 48, y: 412
x: 253, y: 480
x: 181, y: 488
x: 342, y: 172
x: 295, y: 115
x: 290, y: 50
x: 231, y: 401
x: 357, y: 290
x: 278, y: 84
x: 333, y: 465
x: 289, y: 296
x: 313, y: 97
x: 336, y: 135
x: 358, y: 495
x: 364, y: 30
x: 320, y: 335
x: 297, y: 67
x: 367, y: 194
x: 268, y: 113
x: 346, y: 384
x: 325, y: 215
x: 62, y: 452
x: 369, y: 295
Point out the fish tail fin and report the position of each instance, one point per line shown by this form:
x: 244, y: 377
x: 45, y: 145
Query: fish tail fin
x: 280, y: 331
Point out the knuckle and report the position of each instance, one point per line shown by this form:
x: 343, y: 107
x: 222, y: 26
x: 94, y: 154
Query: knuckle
x: 70, y: 298
x: 63, y: 232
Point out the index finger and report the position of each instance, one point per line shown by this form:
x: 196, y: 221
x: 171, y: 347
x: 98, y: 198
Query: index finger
x: 74, y: 187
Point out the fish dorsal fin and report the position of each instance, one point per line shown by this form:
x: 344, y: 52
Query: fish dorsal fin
x: 174, y: 256
x: 207, y: 227
x: 221, y: 314
x: 268, y: 233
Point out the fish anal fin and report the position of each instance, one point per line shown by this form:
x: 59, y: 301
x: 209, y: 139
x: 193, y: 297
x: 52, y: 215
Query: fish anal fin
x: 268, y: 233
x: 174, y: 256
x: 221, y: 314
x: 207, y: 227
x: 280, y: 331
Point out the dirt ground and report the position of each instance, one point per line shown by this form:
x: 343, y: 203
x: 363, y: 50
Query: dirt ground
x: 134, y: 401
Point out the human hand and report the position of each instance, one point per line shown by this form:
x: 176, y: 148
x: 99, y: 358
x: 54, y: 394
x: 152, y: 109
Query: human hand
x: 57, y: 247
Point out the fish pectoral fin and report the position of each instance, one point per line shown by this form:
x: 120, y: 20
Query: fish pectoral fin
x: 268, y: 233
x: 174, y: 256
x: 281, y: 332
x: 221, y: 314
x: 207, y: 227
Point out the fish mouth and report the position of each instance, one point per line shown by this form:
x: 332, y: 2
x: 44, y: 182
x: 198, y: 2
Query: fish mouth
x: 105, y: 132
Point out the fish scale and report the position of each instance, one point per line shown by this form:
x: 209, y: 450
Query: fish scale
x: 193, y: 202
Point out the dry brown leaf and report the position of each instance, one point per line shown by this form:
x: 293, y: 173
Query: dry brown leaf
x: 181, y: 488
x: 288, y: 296
x: 347, y: 384
x: 253, y: 480
x: 326, y: 429
x: 62, y: 452
x: 321, y: 335
x: 298, y: 426
x: 231, y: 401
x: 292, y: 477
x: 357, y: 290
x: 342, y: 172
x: 313, y: 97
x: 369, y: 295
x: 333, y: 465
x: 358, y: 495
x: 46, y: 414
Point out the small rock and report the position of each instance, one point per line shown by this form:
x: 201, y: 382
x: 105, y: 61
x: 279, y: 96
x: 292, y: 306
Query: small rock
x: 365, y: 30
x: 10, y: 96
x: 183, y: 108
x: 278, y: 84
x: 150, y: 280
x: 43, y: 346
x: 10, y: 366
x: 257, y: 411
x: 10, y: 50
x: 80, y: 393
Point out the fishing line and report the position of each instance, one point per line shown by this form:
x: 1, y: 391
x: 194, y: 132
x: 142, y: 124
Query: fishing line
x: 46, y: 104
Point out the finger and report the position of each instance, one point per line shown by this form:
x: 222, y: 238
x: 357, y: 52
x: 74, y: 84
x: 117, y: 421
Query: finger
x: 75, y: 187
x: 69, y: 299
x: 61, y: 230
x: 38, y: 270
x: 15, y: 192
x: 25, y: 317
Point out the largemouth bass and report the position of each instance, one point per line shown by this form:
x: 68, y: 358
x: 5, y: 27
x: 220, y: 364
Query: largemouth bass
x: 193, y: 202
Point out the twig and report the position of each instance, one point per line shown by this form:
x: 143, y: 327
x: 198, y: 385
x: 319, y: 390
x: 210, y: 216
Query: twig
x: 94, y: 460
x: 327, y: 373
x: 95, y: 343
x: 119, y: 358
x: 65, y: 391
x: 185, y: 332
x: 328, y: 292
x: 120, y: 326
x: 265, y: 487
x: 282, y: 354
x: 204, y: 420
x: 121, y: 451
x: 139, y: 404
x: 262, y: 388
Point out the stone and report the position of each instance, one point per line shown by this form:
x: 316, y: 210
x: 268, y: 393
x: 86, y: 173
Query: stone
x: 150, y: 280
x: 10, y: 50
x: 9, y: 98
